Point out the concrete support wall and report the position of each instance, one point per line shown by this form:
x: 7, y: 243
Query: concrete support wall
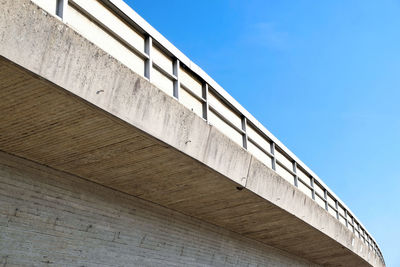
x: 49, y: 217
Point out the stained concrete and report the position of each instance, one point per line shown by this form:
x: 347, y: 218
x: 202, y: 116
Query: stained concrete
x: 69, y: 105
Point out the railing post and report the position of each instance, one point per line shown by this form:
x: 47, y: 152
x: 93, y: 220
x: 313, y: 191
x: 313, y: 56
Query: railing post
x: 313, y: 189
x: 205, y: 103
x: 177, y: 84
x: 61, y: 8
x: 244, y: 135
x: 148, y: 45
x: 337, y: 208
x: 273, y: 163
x: 296, y: 178
x: 326, y: 199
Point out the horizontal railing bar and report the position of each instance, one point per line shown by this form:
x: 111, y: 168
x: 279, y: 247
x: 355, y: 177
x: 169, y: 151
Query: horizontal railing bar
x: 269, y: 154
x: 164, y: 72
x: 305, y: 184
x: 234, y: 109
x: 190, y: 91
x: 222, y: 117
x: 330, y: 206
x: 259, y: 131
x: 285, y: 167
x: 322, y: 197
x: 284, y: 154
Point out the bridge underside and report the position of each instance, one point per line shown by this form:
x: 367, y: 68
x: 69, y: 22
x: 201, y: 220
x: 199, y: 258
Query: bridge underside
x: 48, y: 125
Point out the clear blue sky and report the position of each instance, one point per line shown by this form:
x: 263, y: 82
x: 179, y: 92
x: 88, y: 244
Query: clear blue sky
x: 322, y: 76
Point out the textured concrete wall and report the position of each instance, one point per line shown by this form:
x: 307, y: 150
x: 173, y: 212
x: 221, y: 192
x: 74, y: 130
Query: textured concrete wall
x: 51, y: 218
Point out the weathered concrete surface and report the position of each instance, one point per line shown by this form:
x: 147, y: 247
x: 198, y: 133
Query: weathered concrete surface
x: 72, y: 107
x: 51, y: 218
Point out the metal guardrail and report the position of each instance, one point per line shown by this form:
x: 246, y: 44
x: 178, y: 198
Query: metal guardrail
x: 213, y: 104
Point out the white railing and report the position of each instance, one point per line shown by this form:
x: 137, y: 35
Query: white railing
x: 117, y: 29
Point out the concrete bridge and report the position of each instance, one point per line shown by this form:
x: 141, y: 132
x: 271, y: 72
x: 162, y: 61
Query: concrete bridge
x: 116, y: 149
